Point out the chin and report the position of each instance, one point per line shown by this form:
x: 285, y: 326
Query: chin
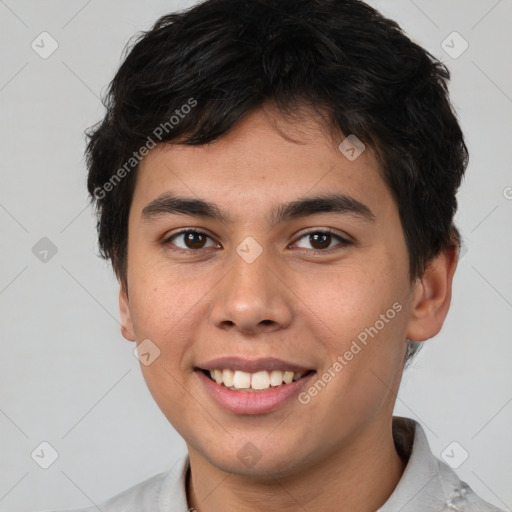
x: 243, y: 458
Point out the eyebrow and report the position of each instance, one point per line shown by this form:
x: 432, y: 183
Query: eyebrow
x: 168, y: 204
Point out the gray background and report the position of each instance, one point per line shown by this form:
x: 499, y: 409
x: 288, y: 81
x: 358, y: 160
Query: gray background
x: 66, y: 374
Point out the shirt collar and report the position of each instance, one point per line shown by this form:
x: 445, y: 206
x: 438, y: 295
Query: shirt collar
x: 420, y: 487
x: 426, y: 484
x: 174, y: 488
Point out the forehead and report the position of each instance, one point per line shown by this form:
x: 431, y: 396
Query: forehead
x: 263, y: 161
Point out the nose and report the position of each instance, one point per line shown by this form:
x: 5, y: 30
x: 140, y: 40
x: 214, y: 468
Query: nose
x: 252, y: 297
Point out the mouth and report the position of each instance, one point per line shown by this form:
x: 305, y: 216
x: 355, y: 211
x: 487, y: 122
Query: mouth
x: 258, y: 381
x: 253, y: 387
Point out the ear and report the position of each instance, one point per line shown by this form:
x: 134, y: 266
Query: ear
x: 432, y: 296
x: 126, y: 317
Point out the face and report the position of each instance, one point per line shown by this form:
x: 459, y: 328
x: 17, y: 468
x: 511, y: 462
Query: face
x: 261, y: 279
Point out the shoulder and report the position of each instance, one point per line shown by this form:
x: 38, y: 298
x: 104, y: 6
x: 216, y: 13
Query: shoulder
x: 428, y: 483
x: 459, y: 495
x: 151, y: 495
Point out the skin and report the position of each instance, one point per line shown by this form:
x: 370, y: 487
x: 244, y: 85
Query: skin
x: 335, y: 453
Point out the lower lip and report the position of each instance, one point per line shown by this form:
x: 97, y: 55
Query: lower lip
x: 252, y: 402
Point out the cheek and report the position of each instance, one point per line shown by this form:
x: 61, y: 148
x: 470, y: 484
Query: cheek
x: 351, y: 298
x: 365, y: 308
x: 163, y: 295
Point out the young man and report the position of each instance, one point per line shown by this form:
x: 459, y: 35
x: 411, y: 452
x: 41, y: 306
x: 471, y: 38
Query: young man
x: 275, y: 183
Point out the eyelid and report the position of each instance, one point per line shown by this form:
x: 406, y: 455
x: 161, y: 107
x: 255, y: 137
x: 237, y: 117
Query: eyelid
x: 167, y: 240
x: 320, y: 229
x: 344, y: 239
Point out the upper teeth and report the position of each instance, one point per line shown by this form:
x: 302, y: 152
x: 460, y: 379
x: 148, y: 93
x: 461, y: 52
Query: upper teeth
x: 257, y: 380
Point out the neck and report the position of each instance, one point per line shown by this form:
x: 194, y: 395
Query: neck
x: 359, y: 477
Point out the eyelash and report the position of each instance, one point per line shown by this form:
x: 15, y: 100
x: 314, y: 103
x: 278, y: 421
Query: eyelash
x: 343, y: 241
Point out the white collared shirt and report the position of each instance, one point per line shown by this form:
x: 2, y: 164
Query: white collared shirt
x: 427, y: 484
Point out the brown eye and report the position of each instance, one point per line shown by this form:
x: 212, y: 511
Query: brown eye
x: 321, y: 240
x: 194, y: 240
x: 189, y: 239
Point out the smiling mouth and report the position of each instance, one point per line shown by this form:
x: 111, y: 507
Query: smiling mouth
x: 237, y: 380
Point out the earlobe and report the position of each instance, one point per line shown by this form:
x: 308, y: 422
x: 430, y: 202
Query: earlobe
x: 126, y: 319
x: 432, y: 296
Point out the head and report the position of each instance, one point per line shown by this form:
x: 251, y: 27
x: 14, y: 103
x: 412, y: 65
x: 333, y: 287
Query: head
x: 227, y: 119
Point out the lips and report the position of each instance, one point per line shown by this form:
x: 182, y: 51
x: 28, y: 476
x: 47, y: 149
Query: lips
x: 252, y: 386
x: 253, y: 402
x: 252, y: 366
